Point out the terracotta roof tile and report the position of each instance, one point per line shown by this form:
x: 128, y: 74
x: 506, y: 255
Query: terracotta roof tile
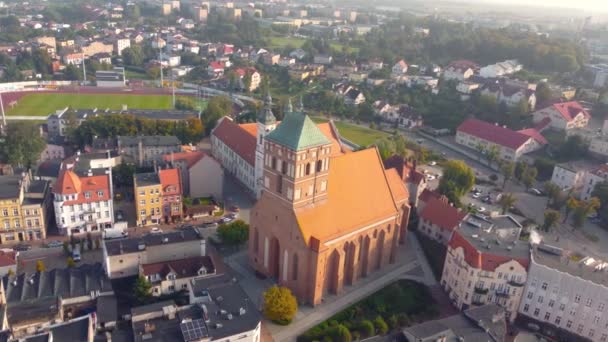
x: 237, y: 139
x: 69, y: 183
x: 169, y: 179
x: 478, y: 259
x: 569, y: 110
x: 493, y: 133
x: 357, y: 185
x: 442, y: 214
x: 190, y: 158
x: 427, y: 195
x: 534, y: 134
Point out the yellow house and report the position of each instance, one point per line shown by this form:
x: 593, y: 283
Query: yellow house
x: 158, y: 197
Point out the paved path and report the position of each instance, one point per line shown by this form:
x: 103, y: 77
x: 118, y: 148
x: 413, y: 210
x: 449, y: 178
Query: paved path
x: 26, y: 117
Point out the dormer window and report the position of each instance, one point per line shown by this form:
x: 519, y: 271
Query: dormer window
x: 171, y: 276
x: 87, y: 194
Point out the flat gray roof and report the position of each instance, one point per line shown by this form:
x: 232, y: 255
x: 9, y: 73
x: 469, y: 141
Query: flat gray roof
x: 497, y: 235
x: 131, y: 245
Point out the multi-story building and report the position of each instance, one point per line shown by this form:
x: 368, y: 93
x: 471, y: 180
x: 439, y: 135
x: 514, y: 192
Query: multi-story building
x: 460, y: 70
x: 411, y: 176
x: 486, y: 263
x: 313, y: 228
x: 439, y: 219
x: 96, y: 47
x: 121, y: 44
x: 562, y: 116
x: 592, y: 178
x: 567, y: 293
x: 201, y: 174
x: 572, y: 176
x: 167, y: 277
x: 24, y: 208
x: 500, y: 69
x: 147, y: 150
x: 158, y: 196
x: 83, y: 199
x: 123, y: 257
x: 511, y: 145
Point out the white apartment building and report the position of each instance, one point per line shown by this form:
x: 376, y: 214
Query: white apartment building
x: 500, y: 69
x: 511, y: 145
x: 572, y: 175
x: 566, y: 294
x: 459, y: 70
x: 486, y: 263
x: 563, y: 116
x: 121, y: 44
x: 595, y: 176
x: 83, y: 200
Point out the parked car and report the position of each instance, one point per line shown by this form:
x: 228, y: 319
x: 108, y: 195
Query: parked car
x: 475, y: 195
x: 156, y: 230
x: 433, y: 163
x: 22, y: 247
x: 76, y: 253
x: 120, y: 215
x: 54, y: 244
x: 481, y: 209
x: 211, y: 225
x: 535, y: 191
x: 235, y: 208
x: 226, y: 219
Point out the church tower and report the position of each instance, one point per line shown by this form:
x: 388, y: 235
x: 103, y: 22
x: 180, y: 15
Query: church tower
x: 296, y: 162
x: 266, y: 123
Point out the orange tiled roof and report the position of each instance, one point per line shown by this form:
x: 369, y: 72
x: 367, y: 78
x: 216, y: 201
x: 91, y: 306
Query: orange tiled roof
x: 190, y: 158
x: 68, y: 182
x: 396, y: 185
x: 336, y: 147
x: 251, y: 128
x: 359, y: 194
x: 169, y: 179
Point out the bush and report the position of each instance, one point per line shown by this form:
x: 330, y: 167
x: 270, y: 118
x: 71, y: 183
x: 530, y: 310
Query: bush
x: 343, y: 334
x: 404, y: 320
x: 381, y: 326
x: 356, y: 335
x: 327, y: 339
x: 393, y: 322
x: 280, y: 305
x: 366, y: 328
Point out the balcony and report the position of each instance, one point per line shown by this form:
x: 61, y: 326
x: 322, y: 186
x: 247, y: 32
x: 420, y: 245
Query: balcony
x: 476, y: 301
x: 516, y: 283
x: 481, y: 290
x: 503, y: 294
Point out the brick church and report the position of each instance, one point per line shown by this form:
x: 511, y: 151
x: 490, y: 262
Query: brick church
x: 327, y: 216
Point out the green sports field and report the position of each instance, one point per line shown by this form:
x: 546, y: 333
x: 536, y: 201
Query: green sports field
x: 45, y: 104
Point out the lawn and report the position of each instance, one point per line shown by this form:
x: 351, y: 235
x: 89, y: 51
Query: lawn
x: 397, y: 305
x: 44, y: 104
x: 359, y: 135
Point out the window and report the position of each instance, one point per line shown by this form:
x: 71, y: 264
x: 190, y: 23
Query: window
x: 142, y: 202
x: 27, y: 212
x: 536, y: 311
x: 540, y: 299
x: 273, y: 164
x: 280, y: 184
x: 284, y: 167
x: 307, y: 169
x: 7, y: 224
x: 17, y: 223
x: 547, y: 316
x: 319, y: 165
x: 142, y: 212
x: 551, y: 303
x: 530, y: 295
x: 589, y: 302
x: 579, y: 329
x: 596, y: 320
x: 577, y: 298
x: 558, y: 319
x: 603, y: 338
x: 569, y: 324
x: 572, y: 312
x: 600, y: 307
x: 526, y: 308
x: 87, y: 194
x: 544, y: 286
x: 100, y: 193
x: 4, y: 212
x: 562, y: 307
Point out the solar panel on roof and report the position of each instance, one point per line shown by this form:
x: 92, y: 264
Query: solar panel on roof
x: 194, y: 330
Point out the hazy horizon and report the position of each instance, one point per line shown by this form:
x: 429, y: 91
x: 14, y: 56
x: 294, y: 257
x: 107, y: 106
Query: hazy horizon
x: 587, y: 5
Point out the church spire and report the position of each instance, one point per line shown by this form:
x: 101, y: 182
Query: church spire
x: 266, y: 116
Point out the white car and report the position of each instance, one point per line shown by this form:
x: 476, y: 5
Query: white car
x: 430, y: 177
x: 475, y: 195
x: 156, y: 230
x: 433, y: 163
x: 481, y: 209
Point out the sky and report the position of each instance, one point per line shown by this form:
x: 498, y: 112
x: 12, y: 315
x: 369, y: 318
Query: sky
x: 589, y: 5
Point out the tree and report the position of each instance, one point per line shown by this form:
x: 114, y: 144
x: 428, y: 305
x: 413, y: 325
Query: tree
x: 343, y: 334
x: 381, y: 326
x: 507, y: 200
x: 492, y: 155
x: 40, y: 267
x: 386, y: 148
x: 280, y: 305
x: 584, y: 209
x: 141, y: 289
x: 551, y: 218
x: 458, y: 179
x: 234, y: 233
x: 153, y: 72
x: 22, y: 144
x: 217, y: 107
x: 571, y: 205
x: 507, y: 169
x: 600, y: 191
x: 529, y: 177
x: 133, y: 55
x: 553, y: 191
x: 72, y: 73
x: 366, y: 328
x: 184, y: 103
x: 543, y: 93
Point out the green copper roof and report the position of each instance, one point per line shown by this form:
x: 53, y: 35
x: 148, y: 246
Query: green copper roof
x: 297, y: 132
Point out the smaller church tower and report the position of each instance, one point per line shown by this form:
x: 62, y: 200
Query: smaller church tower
x: 266, y: 123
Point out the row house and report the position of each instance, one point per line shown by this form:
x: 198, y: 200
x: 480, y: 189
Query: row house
x: 439, y: 219
x: 158, y: 197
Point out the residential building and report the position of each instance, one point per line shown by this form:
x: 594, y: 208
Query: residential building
x: 73, y: 58
x: 78, y: 329
x: 352, y: 96
x: 167, y: 277
x: 52, y: 152
x: 511, y: 145
x: 123, y: 257
x: 600, y: 73
x: 411, y: 176
x: 572, y: 176
x: 466, y: 89
x: 201, y: 13
x: 399, y: 69
x: 486, y: 263
x: 201, y: 174
x: 323, y: 59
x: 510, y: 95
x: 254, y: 78
x: 240, y: 149
x: 566, y: 293
x: 598, y: 146
x: 121, y: 44
x: 96, y: 47
x: 439, y: 219
x: 158, y: 197
x: 148, y: 149
x: 24, y: 208
x: 216, y: 69
x: 563, y: 116
x: 83, y: 199
x: 500, y: 69
x: 460, y: 70
x: 592, y: 178
x: 111, y: 78
x: 36, y: 301
x: 483, y: 323
x: 298, y: 234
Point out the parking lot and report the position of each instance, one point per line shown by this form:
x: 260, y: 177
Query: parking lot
x: 484, y: 198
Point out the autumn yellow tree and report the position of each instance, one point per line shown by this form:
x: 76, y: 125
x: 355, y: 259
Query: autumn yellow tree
x: 280, y: 305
